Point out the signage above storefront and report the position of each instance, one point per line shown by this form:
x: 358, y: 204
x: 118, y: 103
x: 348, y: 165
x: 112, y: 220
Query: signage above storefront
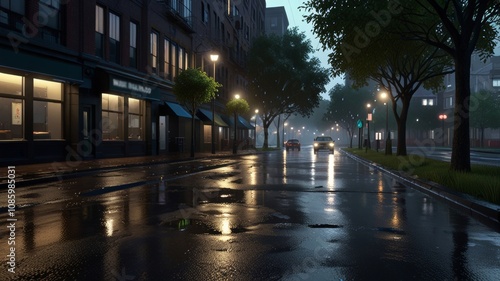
x: 131, y: 86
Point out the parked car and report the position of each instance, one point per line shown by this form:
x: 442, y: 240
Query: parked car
x: 323, y: 143
x: 292, y: 144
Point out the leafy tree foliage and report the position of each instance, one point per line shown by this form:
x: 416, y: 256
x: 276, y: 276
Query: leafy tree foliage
x: 347, y: 106
x: 283, y: 79
x: 192, y: 88
x: 459, y: 28
x: 365, y: 45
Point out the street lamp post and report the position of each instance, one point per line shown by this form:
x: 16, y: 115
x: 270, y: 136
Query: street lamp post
x: 388, y: 141
x: 442, y: 117
x: 235, y: 146
x: 283, y: 134
x: 214, y: 58
x: 255, y: 129
x: 368, y: 119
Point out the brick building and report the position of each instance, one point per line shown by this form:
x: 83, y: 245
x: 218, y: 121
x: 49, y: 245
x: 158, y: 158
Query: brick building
x: 93, y: 79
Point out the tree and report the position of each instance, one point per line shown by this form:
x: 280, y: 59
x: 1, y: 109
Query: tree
x: 282, y: 78
x: 459, y: 28
x: 484, y: 112
x: 376, y: 52
x: 236, y: 106
x: 347, y: 106
x: 192, y: 88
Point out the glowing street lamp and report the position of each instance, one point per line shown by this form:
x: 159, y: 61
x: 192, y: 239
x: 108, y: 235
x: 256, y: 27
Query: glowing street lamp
x: 213, y: 58
x: 442, y: 117
x: 388, y: 142
x: 255, y: 129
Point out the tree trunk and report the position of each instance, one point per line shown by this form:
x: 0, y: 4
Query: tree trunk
x: 401, y: 147
x: 192, y: 135
x: 278, y: 141
x: 460, y: 151
x: 265, y: 145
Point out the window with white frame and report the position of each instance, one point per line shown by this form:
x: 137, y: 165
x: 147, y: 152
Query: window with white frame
x: 99, y: 31
x: 133, y: 45
x: 166, y: 59
x: 496, y: 82
x: 51, y: 30
x: 154, y: 51
x: 12, y: 12
x: 448, y: 102
x: 114, y: 38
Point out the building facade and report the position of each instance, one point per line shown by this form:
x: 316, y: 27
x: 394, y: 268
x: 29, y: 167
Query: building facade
x: 93, y: 79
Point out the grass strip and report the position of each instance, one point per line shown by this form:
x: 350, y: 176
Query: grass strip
x: 483, y: 182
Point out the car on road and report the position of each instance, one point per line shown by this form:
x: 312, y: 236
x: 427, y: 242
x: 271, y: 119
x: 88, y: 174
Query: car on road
x: 323, y: 143
x: 292, y: 144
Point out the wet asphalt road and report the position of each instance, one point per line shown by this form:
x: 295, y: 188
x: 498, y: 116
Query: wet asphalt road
x: 273, y: 216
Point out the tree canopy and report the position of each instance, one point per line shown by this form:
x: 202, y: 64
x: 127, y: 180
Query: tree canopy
x: 390, y: 37
x: 192, y: 88
x: 283, y: 79
x: 347, y: 106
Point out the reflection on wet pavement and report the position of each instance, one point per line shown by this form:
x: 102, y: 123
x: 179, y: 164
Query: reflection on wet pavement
x: 257, y: 219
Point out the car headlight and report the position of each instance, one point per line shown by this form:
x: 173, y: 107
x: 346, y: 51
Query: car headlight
x: 331, y: 144
x: 315, y: 144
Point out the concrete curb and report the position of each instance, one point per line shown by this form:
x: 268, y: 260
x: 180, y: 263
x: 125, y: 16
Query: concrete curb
x: 474, y: 206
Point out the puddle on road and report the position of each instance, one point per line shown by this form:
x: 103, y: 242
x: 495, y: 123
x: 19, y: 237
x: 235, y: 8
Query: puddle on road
x: 195, y: 226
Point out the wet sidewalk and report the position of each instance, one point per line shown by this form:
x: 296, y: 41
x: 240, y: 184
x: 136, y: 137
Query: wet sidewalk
x: 45, y: 172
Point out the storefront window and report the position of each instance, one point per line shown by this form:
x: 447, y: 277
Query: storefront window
x: 47, y: 109
x: 112, y: 117
x: 135, y: 119
x: 11, y: 107
x: 207, y: 133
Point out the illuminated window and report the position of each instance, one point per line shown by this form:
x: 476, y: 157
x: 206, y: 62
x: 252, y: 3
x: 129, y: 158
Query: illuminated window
x: 135, y: 119
x: 496, y: 82
x: 154, y: 51
x: 207, y: 133
x: 166, y: 59
x: 112, y: 117
x: 11, y: 107
x: 47, y: 109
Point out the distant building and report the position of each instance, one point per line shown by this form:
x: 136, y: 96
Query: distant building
x: 276, y: 20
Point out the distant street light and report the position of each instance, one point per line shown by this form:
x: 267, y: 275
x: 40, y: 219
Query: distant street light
x: 214, y: 58
x: 388, y: 141
x: 442, y: 117
x: 368, y: 119
x: 255, y: 129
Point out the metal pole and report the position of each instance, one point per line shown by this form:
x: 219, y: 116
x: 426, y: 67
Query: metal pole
x: 388, y: 142
x: 213, y: 120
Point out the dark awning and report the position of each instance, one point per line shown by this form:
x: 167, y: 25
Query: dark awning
x: 207, y: 116
x: 178, y: 110
x: 242, y: 122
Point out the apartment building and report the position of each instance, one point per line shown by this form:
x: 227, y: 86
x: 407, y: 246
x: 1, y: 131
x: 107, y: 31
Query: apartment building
x: 93, y: 79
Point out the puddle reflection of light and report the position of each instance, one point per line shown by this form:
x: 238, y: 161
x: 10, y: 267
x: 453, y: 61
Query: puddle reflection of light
x: 250, y: 198
x: 225, y: 226
x: 284, y: 166
x: 330, y: 201
x: 109, y: 227
x: 331, y: 174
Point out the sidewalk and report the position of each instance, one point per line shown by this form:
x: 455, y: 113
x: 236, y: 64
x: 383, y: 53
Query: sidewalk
x: 45, y: 172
